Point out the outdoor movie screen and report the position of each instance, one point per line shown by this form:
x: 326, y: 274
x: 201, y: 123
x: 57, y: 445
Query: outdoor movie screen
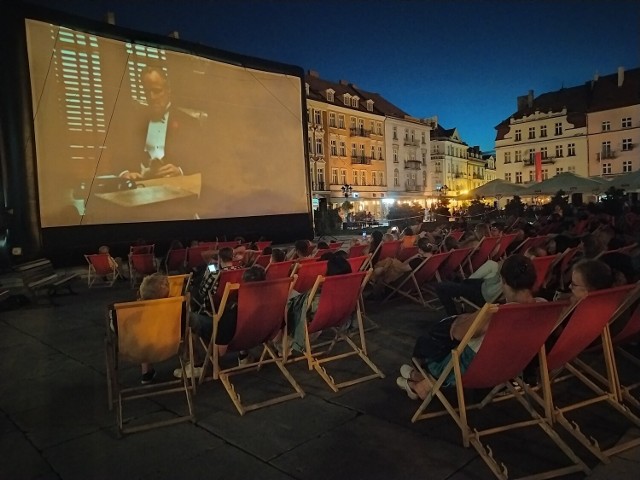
x: 127, y: 132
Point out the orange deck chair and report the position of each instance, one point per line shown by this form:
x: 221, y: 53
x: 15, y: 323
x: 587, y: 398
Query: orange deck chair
x: 179, y: 284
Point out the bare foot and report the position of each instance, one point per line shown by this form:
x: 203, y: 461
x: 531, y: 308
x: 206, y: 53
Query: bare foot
x: 422, y: 388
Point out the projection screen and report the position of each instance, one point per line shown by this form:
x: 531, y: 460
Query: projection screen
x: 127, y: 132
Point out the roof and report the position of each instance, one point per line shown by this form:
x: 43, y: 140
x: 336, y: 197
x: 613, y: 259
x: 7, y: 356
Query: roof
x: 607, y: 95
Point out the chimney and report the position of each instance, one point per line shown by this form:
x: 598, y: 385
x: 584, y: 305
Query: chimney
x: 110, y: 18
x: 344, y: 82
x: 175, y: 34
x: 620, y: 76
x: 522, y: 102
x: 530, y: 99
x: 313, y: 73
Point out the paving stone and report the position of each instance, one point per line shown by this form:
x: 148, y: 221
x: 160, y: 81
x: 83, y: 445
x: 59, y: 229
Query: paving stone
x: 20, y: 460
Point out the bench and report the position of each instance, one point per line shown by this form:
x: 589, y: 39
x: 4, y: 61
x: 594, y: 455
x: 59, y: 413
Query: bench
x: 39, y: 276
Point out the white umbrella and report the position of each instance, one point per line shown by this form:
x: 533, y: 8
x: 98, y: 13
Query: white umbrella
x: 567, y: 182
x: 628, y: 181
x: 496, y: 188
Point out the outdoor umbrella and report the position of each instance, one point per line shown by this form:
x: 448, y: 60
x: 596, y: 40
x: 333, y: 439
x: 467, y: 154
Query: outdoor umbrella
x: 629, y: 181
x: 567, y: 182
x: 496, y: 188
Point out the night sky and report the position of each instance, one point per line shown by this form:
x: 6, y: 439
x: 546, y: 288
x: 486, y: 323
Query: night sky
x: 464, y: 61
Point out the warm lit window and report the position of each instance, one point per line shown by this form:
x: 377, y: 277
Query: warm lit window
x: 343, y: 149
x: 373, y: 153
x: 334, y: 176
x: 381, y: 179
x: 343, y: 176
x: 374, y: 179
x: 363, y: 178
x: 353, y: 150
x: 332, y: 119
x: 355, y: 177
x: 330, y: 95
x: 319, y: 146
x: 340, y: 121
x: 317, y: 114
x: 334, y: 148
x: 380, y: 153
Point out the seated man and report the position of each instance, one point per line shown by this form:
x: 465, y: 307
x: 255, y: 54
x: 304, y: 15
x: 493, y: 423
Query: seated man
x: 209, y: 282
x: 152, y: 287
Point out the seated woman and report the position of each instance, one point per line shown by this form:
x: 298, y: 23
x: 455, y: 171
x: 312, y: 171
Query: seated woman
x: 588, y: 276
x: 301, y: 249
x: 408, y: 238
x: 391, y: 269
x: 518, y: 276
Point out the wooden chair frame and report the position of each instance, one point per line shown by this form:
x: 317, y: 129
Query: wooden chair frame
x: 179, y: 284
x: 102, y: 265
x: 414, y: 285
x: 269, y: 355
x: 159, y: 331
x: 509, y: 332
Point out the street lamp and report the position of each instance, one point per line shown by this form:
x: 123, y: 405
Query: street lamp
x: 346, y: 190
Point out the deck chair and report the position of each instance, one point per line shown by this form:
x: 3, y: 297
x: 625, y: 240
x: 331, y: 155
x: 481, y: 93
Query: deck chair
x: 517, y: 333
x: 194, y: 256
x: 454, y: 262
x: 565, y: 263
x: 407, y: 252
x: 179, y: 284
x: 414, y: 284
x: 456, y: 234
x: 333, y: 246
x: 263, y: 260
x: 280, y: 269
x: 149, y: 331
x: 226, y: 276
x: 389, y: 249
x: 505, y: 241
x: 141, y: 265
x: 588, y: 321
x: 543, y: 267
x: 133, y: 249
x: 261, y: 311
x: 531, y: 242
x: 482, y: 252
x: 175, y: 260
x: 103, y: 266
x: 307, y: 273
x: 357, y: 250
x: 338, y: 301
x: 231, y: 244
x: 630, y: 333
x: 264, y: 244
x: 358, y: 263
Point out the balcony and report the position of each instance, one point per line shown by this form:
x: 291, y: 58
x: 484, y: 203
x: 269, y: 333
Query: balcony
x: 360, y: 160
x: 411, y: 143
x: 437, y: 156
x: 412, y: 188
x: 605, y: 155
x: 412, y: 164
x: 477, y: 176
x: 545, y: 161
x: 318, y: 187
x: 459, y: 175
x: 360, y: 132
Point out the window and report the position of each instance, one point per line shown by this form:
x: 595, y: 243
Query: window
x: 626, y: 144
x: 308, y: 115
x: 374, y: 179
x: 423, y: 138
x: 380, y: 153
x: 360, y: 125
x: 518, y: 135
x: 396, y: 178
x: 346, y: 99
x: 531, y: 176
x: 507, y: 157
x: 334, y: 176
x: 355, y: 177
x: 571, y: 169
x: 370, y: 106
x: 559, y: 151
x: 507, y: 177
x: 543, y: 130
x: 395, y: 133
x: 372, y: 126
x: 353, y: 150
x: 381, y: 179
x: 317, y: 116
x: 334, y: 148
x: 424, y: 178
x: 354, y: 102
x: 518, y: 177
x: 559, y: 170
x: 606, y: 149
x: 379, y: 128
x: 363, y: 177
x: 626, y: 166
x: 532, y: 133
x: 558, y: 128
x: 319, y: 146
x: 438, y: 167
x: 340, y: 121
x: 330, y: 95
x: 362, y: 150
x: 352, y: 122
x: 320, y: 178
x: 395, y: 155
x: 343, y: 176
x: 332, y: 119
x: 532, y: 154
x: 518, y: 156
x: 626, y: 122
x: 606, y: 169
x: 424, y: 158
x: 606, y: 126
x: 406, y: 134
x: 545, y: 174
x: 413, y: 135
x: 373, y: 152
x: 309, y: 145
x: 343, y: 149
x: 543, y: 151
x: 571, y: 150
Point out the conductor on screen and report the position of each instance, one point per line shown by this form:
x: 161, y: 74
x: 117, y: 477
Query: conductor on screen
x: 166, y: 138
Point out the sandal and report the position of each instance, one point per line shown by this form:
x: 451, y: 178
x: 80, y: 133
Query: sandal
x: 403, y: 383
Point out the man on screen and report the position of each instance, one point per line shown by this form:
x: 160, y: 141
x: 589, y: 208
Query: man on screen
x: 166, y: 139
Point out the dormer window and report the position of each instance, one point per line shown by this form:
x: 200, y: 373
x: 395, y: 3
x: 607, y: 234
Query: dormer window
x: 346, y: 99
x: 306, y: 88
x: 330, y: 94
x: 354, y: 102
x: 369, y: 105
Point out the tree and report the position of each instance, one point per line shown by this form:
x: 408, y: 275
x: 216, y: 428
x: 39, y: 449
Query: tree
x: 412, y: 214
x: 514, y: 208
x: 347, y: 206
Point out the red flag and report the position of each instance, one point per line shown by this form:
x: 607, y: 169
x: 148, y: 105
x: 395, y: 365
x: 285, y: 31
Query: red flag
x: 538, y: 157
